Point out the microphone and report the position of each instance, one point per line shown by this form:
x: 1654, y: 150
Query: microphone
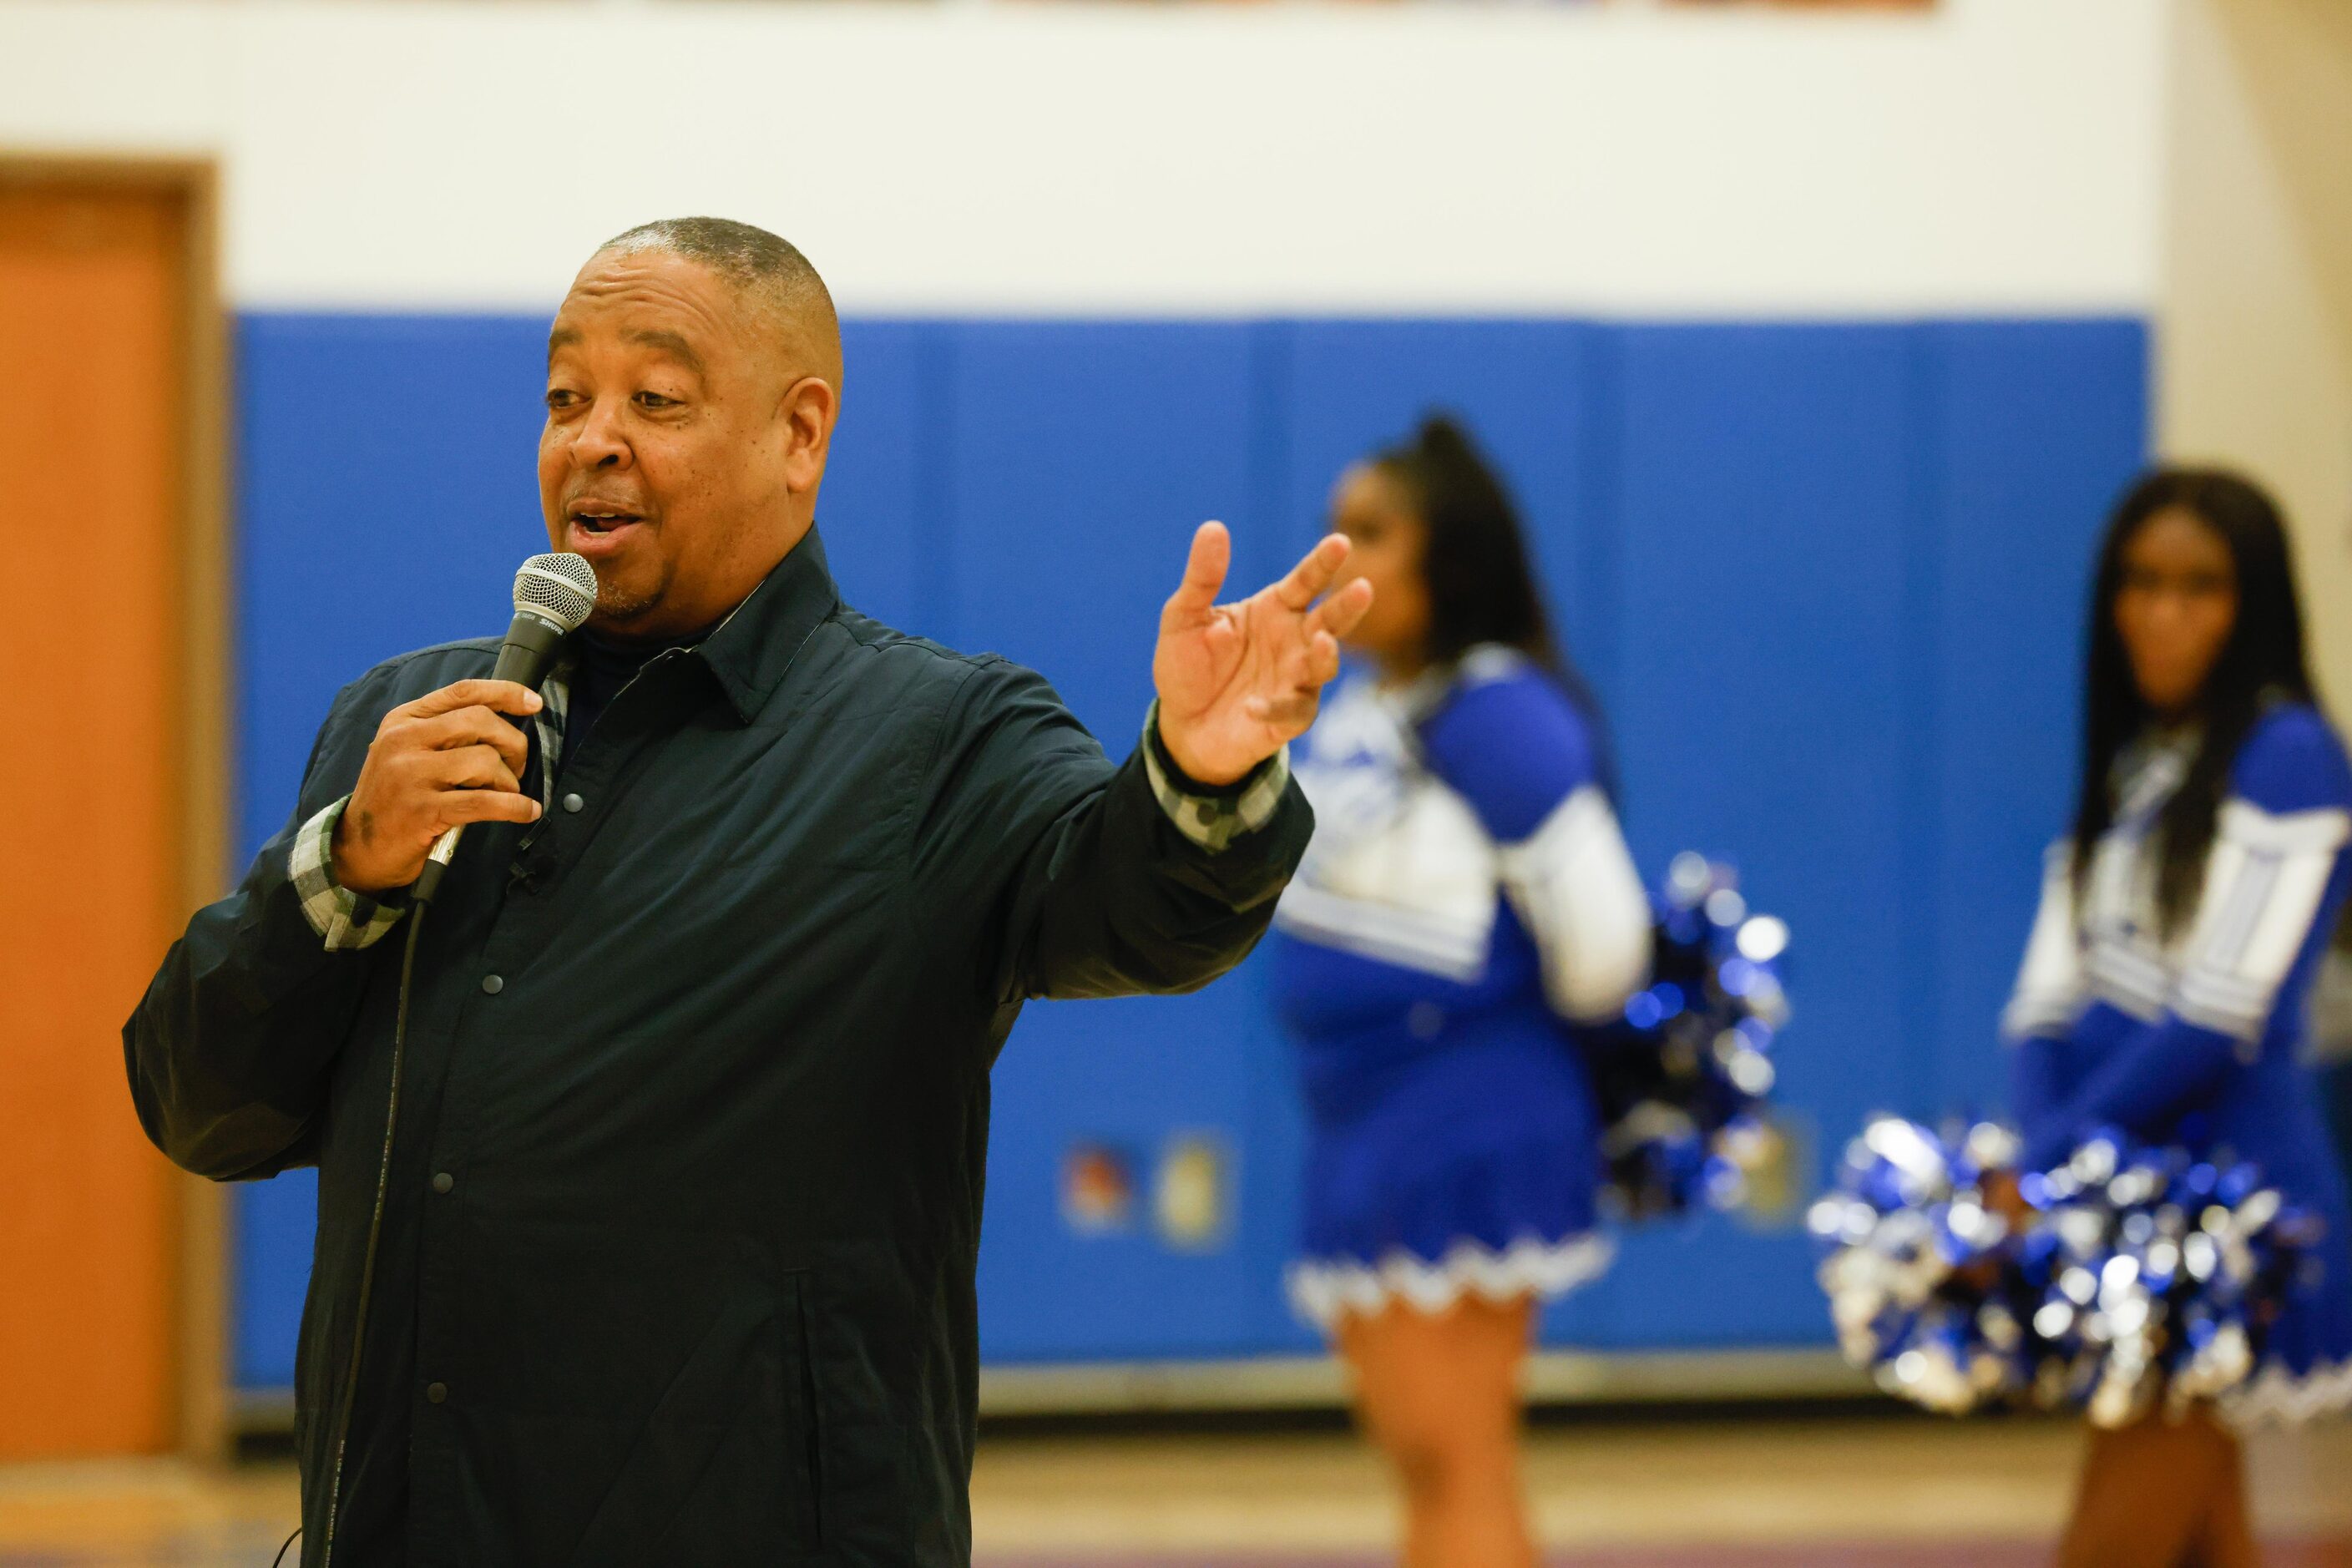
x: 553, y: 594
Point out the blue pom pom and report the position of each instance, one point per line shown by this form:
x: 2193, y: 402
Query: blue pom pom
x: 2126, y: 1276
x: 1684, y: 1078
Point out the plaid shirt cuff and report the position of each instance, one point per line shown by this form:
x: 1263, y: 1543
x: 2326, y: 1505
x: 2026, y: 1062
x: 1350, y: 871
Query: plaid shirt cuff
x: 1212, y: 818
x: 346, y: 920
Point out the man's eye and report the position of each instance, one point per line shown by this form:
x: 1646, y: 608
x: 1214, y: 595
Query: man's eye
x: 557, y: 397
x: 655, y: 400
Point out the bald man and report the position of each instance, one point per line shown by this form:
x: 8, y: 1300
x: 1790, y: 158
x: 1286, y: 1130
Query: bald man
x: 669, y: 1255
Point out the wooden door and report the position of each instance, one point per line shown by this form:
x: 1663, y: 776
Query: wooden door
x: 95, y: 341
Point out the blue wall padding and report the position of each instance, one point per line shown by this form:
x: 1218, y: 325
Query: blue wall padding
x: 2029, y: 414
x: 1080, y: 460
x: 1828, y: 579
x: 1761, y: 514
x: 885, y: 495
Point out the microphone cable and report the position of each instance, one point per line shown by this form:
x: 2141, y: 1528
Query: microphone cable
x: 554, y: 595
x: 375, y: 1232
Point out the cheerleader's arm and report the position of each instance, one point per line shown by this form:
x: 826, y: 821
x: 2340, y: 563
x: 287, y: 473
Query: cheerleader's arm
x: 1513, y: 745
x: 1574, y: 885
x: 2046, y: 1002
x: 2143, y: 1087
x: 2270, y: 881
x: 2035, y: 1093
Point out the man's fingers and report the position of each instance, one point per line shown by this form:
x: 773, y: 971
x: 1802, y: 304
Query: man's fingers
x: 461, y: 805
x: 1338, y: 614
x: 1313, y: 574
x: 473, y: 726
x: 1204, y: 574
x: 1306, y: 668
x: 472, y: 767
x: 504, y: 696
x: 1290, y: 713
x: 1323, y: 659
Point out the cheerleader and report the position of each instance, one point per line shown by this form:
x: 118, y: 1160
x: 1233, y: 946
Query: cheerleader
x: 2164, y: 985
x: 1466, y: 902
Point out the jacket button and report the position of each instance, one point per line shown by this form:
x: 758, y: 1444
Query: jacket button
x: 435, y: 1393
x: 443, y: 1181
x: 492, y: 984
x: 572, y: 802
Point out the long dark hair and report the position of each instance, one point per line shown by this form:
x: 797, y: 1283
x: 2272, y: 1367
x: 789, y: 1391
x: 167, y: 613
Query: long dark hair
x: 1482, y: 586
x: 2262, y: 663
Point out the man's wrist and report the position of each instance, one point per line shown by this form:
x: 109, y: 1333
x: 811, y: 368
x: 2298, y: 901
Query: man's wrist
x: 1188, y: 778
x: 344, y: 918
x: 339, y: 865
x: 366, y: 901
x: 1213, y: 815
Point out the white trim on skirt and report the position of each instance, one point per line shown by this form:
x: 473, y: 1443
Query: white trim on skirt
x: 1323, y: 1288
x: 2274, y: 1395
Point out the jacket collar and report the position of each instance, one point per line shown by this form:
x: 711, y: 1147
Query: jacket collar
x: 748, y: 652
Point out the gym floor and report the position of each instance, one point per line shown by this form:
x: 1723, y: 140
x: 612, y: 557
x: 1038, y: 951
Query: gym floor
x: 1831, y: 1490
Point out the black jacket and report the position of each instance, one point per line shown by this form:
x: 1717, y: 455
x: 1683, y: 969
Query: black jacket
x: 678, y: 1261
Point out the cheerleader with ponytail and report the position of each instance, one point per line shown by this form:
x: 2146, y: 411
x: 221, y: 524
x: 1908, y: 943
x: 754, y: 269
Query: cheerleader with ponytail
x: 1467, y: 903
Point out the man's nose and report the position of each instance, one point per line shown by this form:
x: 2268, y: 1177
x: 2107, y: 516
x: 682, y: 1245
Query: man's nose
x: 601, y: 444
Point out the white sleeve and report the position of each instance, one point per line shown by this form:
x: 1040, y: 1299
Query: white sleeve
x: 1573, y: 883
x: 2049, y: 994
x: 2264, y: 878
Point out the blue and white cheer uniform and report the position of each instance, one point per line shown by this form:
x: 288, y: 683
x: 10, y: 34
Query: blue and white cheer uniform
x: 1467, y: 900
x: 2196, y: 1040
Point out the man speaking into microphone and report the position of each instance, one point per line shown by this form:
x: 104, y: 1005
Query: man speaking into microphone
x: 651, y: 1151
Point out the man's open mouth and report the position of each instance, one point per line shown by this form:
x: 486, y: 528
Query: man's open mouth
x: 603, y: 521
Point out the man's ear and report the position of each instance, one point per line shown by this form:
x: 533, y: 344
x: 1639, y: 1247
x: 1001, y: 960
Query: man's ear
x: 809, y: 408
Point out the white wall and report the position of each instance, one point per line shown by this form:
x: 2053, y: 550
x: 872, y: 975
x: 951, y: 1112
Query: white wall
x: 2003, y: 156
x: 2255, y: 328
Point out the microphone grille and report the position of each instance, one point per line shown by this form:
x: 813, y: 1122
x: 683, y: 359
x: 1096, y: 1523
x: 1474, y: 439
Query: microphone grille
x: 561, y: 586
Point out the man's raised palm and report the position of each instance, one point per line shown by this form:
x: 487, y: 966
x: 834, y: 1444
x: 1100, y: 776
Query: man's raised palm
x: 1238, y: 681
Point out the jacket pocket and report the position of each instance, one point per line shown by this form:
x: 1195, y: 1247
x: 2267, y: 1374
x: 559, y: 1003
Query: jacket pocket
x: 864, y: 1452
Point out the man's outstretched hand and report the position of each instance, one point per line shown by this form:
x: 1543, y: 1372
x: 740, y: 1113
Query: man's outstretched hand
x: 1237, y: 681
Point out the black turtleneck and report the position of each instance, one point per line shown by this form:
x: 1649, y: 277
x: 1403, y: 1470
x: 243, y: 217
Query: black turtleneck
x: 605, y: 666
